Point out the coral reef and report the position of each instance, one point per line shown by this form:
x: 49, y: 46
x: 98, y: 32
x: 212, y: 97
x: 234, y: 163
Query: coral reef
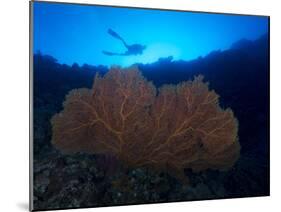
x: 77, y: 180
x: 170, y: 129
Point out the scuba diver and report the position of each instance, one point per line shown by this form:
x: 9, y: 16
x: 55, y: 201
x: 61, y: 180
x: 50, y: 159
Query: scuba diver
x: 134, y: 49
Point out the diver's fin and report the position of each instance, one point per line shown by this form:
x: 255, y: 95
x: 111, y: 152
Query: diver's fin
x: 108, y: 53
x: 112, y: 53
x: 115, y: 35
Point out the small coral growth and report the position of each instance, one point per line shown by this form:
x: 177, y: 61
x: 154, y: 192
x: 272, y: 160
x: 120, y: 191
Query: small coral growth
x: 181, y: 127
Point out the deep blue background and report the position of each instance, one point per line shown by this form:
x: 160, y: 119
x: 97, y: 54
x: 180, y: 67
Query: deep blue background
x: 78, y: 33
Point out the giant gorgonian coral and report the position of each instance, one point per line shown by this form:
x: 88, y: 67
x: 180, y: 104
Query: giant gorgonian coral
x: 180, y: 126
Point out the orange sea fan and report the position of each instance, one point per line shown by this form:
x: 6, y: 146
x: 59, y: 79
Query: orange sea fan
x: 181, y: 127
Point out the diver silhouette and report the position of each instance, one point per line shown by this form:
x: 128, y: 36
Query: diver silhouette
x: 133, y: 49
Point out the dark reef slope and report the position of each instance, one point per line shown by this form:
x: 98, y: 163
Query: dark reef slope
x: 239, y: 75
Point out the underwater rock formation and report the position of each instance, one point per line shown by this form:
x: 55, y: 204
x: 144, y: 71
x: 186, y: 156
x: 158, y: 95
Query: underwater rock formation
x: 123, y: 115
